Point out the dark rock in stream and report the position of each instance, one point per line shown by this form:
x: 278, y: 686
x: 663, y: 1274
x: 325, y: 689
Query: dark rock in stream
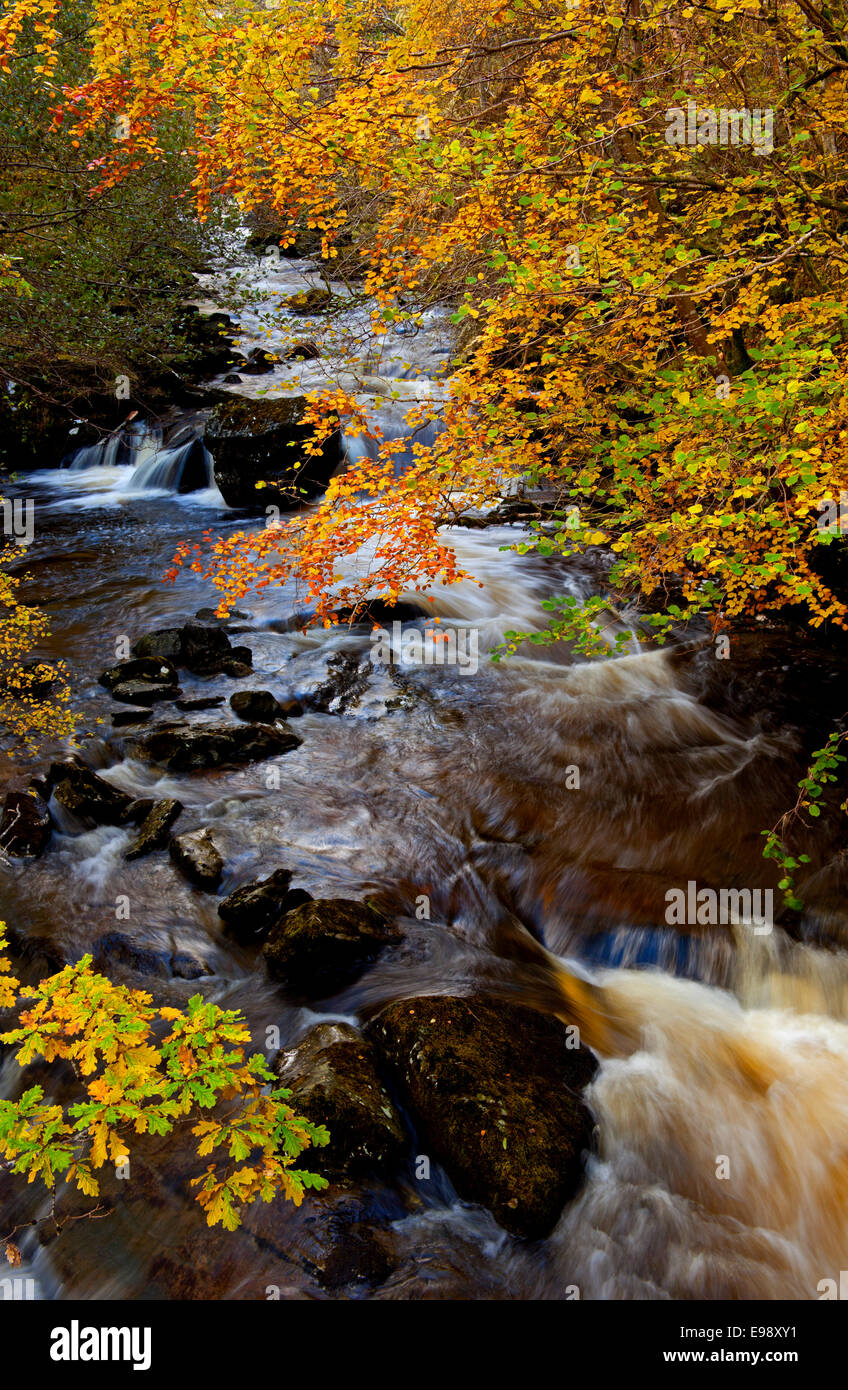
x: 203, y: 702
x: 154, y: 830
x: 197, y: 747
x: 116, y: 948
x: 143, y: 693
x: 196, y: 855
x: 347, y: 680
x: 122, y: 717
x: 323, y: 945
x: 259, y: 459
x: 203, y: 649
x: 494, y: 1091
x: 88, y: 797
x: 24, y: 825
x: 335, y: 1082
x: 250, y: 911
x: 256, y: 706
x: 258, y: 363
x: 164, y: 644
x: 148, y: 670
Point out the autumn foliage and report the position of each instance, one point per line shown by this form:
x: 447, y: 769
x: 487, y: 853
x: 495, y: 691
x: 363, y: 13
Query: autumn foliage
x: 657, y: 328
x: 138, y: 1071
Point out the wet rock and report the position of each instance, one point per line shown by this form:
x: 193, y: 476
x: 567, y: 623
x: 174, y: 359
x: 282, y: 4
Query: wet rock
x: 204, y: 648
x: 24, y: 825
x: 116, y: 948
x: 259, y: 363
x: 347, y: 681
x: 149, y: 670
x: 347, y: 1238
x: 292, y: 709
x: 164, y: 644
x: 493, y: 1089
x: 323, y: 945
x: 232, y: 379
x: 196, y: 855
x: 155, y: 828
x: 237, y: 670
x: 312, y: 301
x: 256, y: 442
x: 143, y: 693
x: 202, y: 702
x: 186, y: 967
x: 334, y: 1077
x: 201, y: 648
x: 191, y: 748
x: 87, y: 796
x: 250, y: 911
x: 139, y: 810
x: 304, y: 350
x: 257, y: 706
x: 122, y: 717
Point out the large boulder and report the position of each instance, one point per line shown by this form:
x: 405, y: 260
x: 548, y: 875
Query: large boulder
x: 323, y: 945
x: 148, y: 670
x: 256, y: 706
x: 201, y: 648
x: 494, y: 1091
x: 196, y: 854
x: 256, y: 442
x: 196, y: 747
x: 335, y: 1082
x: 89, y: 798
x: 250, y: 912
x: 24, y: 824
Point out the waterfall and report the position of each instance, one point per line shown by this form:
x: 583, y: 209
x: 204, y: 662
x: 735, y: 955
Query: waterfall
x: 147, y: 464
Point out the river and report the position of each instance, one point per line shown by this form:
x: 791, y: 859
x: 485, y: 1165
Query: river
x: 729, y: 1044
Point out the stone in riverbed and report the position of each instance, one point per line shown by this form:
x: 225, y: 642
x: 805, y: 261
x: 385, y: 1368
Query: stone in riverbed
x: 148, y: 669
x: 154, y: 830
x: 202, y: 702
x: 335, y: 1082
x: 202, y: 649
x: 493, y: 1090
x: 130, y: 716
x: 250, y: 911
x: 143, y: 692
x: 196, y: 747
x: 256, y: 706
x: 195, y: 853
x: 88, y: 797
x: 24, y: 825
x: 261, y: 442
x: 323, y: 945
x: 165, y: 644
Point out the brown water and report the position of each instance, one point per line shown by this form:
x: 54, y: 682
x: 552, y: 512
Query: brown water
x: 723, y: 1051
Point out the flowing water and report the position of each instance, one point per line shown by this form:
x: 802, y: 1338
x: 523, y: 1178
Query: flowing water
x: 722, y: 1099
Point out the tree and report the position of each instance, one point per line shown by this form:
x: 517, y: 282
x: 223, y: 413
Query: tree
x: 638, y: 217
x: 135, y: 1077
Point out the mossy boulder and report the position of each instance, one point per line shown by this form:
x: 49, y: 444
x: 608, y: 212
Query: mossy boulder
x: 494, y: 1091
x: 323, y: 945
x: 250, y: 912
x: 335, y: 1082
x: 255, y: 442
